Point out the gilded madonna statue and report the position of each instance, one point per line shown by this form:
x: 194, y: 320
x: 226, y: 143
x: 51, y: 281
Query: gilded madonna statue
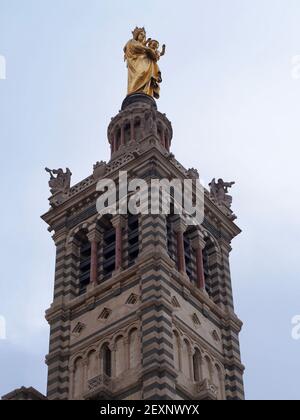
x: 142, y: 56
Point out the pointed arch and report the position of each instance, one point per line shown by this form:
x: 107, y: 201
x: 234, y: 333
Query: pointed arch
x: 78, y: 379
x: 186, y: 358
x: 197, y: 366
x: 177, y: 350
x: 106, y: 360
x: 92, y: 365
x: 134, y: 348
x: 120, y: 362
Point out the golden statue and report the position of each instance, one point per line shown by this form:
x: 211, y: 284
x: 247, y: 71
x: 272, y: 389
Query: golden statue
x: 142, y: 55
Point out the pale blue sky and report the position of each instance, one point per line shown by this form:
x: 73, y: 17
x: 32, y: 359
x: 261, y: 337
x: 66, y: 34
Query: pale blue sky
x: 234, y: 106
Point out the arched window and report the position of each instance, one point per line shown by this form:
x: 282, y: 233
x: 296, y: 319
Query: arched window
x: 190, y: 257
x: 127, y: 132
x: 137, y: 129
x: 109, y: 248
x: 207, y: 368
x: 78, y: 378
x: 176, y: 345
x: 92, y: 370
x: 133, y: 239
x: 197, y: 366
x: 106, y: 360
x: 208, y: 253
x: 134, y: 349
x: 85, y: 261
x: 120, y: 356
x: 171, y: 238
x: 186, y: 354
x: 219, y: 381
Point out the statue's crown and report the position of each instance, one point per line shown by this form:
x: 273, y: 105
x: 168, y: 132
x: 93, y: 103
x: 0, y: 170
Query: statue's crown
x: 137, y: 31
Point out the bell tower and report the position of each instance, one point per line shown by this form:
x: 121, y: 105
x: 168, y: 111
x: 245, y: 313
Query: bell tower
x: 143, y: 305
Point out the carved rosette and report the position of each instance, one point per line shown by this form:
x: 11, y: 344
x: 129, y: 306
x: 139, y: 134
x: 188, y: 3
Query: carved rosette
x: 138, y: 120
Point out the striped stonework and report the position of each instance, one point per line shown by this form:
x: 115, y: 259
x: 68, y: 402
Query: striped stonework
x: 57, y: 360
x: 234, y: 384
x: 157, y: 342
x: 66, y: 286
x: 156, y: 312
x: 143, y: 325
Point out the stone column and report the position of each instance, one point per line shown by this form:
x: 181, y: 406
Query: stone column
x: 180, y: 227
x: 95, y: 237
x: 198, y: 244
x: 118, y: 223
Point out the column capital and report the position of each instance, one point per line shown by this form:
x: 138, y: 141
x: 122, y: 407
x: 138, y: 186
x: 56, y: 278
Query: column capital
x: 118, y: 220
x: 198, y: 242
x: 180, y: 225
x: 95, y: 236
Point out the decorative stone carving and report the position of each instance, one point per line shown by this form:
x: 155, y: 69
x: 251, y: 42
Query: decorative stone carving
x: 219, y: 192
x: 78, y: 329
x: 123, y: 160
x: 98, y: 382
x: 81, y: 186
x: 105, y: 314
x: 61, y: 183
x: 206, y: 390
x: 196, y: 320
x: 193, y: 174
x: 99, y: 170
x: 216, y: 336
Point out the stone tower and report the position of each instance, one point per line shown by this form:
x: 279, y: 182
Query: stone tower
x: 143, y: 305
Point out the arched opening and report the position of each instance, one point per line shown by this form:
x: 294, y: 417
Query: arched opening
x: 120, y: 356
x: 137, y: 129
x: 92, y: 370
x: 84, y: 261
x: 127, y: 132
x: 176, y: 346
x: 190, y: 257
x: 106, y: 360
x: 219, y: 381
x: 208, y: 253
x: 207, y: 368
x: 186, y: 353
x: 109, y: 248
x: 171, y: 237
x: 197, y: 366
x: 134, y: 349
x: 78, y: 378
x: 133, y: 239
